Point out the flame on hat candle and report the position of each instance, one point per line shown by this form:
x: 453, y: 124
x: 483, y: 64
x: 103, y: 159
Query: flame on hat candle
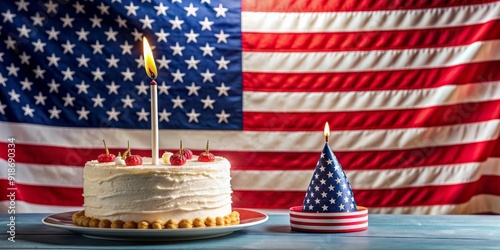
x: 327, y: 132
x: 150, y: 66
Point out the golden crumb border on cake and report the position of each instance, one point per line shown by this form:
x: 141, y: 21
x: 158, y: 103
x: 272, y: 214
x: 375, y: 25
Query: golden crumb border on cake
x: 79, y: 219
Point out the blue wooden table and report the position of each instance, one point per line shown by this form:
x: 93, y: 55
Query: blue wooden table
x: 384, y: 232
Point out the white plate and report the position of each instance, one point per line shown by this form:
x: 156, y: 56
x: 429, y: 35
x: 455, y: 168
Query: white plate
x: 248, y: 218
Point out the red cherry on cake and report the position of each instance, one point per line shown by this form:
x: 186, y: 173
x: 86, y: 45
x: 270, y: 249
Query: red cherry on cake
x: 107, y: 157
x: 179, y: 158
x: 206, y: 156
x: 133, y: 160
x: 188, y: 153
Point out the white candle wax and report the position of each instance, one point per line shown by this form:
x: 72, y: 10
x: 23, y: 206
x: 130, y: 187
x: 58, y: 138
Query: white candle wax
x: 154, y: 123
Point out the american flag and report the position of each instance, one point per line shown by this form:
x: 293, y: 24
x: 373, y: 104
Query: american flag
x: 410, y: 89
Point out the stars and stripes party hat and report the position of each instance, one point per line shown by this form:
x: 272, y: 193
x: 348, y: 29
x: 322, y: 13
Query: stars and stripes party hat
x: 329, y: 204
x: 329, y: 189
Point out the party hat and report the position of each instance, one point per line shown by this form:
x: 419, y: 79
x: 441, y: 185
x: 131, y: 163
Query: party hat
x: 329, y: 190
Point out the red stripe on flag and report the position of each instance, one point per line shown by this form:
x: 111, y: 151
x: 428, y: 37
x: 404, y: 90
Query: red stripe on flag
x: 429, y: 195
x: 372, y: 80
x: 349, y: 5
x: 364, y: 160
x: 51, y: 155
x: 411, y: 196
x: 259, y: 160
x: 375, y: 40
x: 495, y: 151
x: 376, y: 119
x: 63, y: 156
x: 44, y: 195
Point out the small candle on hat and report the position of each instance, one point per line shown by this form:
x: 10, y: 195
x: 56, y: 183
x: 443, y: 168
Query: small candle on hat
x: 150, y: 66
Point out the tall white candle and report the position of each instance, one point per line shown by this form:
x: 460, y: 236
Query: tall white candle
x: 154, y: 122
x: 150, y: 66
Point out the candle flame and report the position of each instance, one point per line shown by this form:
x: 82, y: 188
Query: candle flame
x: 149, y: 61
x: 327, y: 129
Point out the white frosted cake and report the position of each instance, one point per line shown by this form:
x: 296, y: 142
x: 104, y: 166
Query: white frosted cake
x: 196, y: 194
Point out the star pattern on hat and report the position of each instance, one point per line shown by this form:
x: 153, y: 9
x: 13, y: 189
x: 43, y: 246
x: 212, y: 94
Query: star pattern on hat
x: 329, y: 189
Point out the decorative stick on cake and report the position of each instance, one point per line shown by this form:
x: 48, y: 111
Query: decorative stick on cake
x: 130, y: 159
x: 106, y: 157
x: 329, y: 204
x: 206, y: 156
x: 179, y: 158
x: 150, y: 66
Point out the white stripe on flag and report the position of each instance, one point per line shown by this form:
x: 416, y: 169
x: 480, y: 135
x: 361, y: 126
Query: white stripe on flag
x: 354, y: 61
x: 382, y: 139
x: 284, y: 102
x: 295, y: 22
x: 46, y: 175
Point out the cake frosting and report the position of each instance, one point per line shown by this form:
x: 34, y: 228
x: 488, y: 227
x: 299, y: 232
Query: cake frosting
x: 158, y: 193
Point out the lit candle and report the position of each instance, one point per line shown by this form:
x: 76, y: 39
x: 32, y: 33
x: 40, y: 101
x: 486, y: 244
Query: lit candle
x: 150, y: 66
x: 327, y: 132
